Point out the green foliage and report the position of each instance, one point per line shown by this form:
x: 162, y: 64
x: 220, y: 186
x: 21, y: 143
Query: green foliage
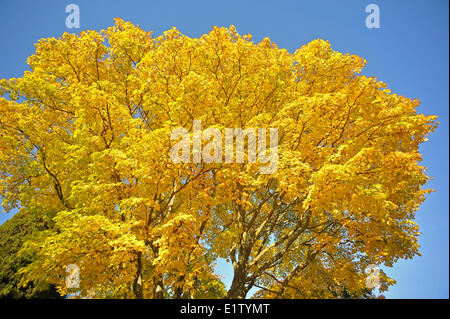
x: 13, y: 233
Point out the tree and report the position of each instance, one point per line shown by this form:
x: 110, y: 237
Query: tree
x: 87, y: 133
x: 13, y: 234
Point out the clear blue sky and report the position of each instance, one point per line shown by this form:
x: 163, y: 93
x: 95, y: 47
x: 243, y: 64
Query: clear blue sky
x: 410, y: 52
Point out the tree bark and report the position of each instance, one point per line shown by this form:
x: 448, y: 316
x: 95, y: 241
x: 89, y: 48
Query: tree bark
x: 179, y: 289
x: 137, y: 283
x: 158, y: 290
x: 238, y: 289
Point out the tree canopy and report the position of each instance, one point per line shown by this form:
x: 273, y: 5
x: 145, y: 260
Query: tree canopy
x: 86, y: 133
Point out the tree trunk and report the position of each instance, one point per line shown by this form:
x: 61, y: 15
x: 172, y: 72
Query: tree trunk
x: 137, y: 283
x: 158, y: 290
x: 238, y: 289
x: 179, y: 289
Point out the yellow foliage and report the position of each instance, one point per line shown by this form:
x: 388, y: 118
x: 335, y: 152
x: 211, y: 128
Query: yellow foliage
x: 86, y: 133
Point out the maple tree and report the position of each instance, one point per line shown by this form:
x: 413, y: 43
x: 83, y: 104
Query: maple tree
x: 86, y: 134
